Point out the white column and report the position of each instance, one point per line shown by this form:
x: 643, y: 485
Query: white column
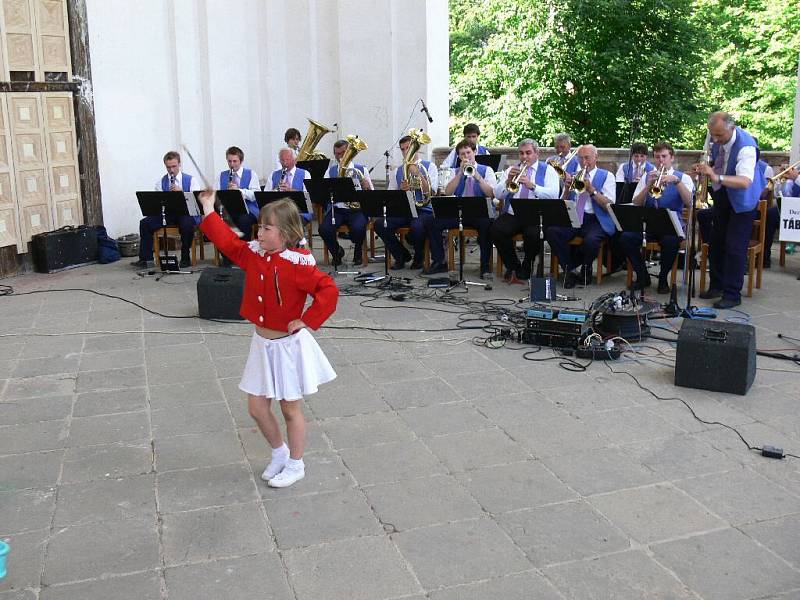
x: 795, y: 151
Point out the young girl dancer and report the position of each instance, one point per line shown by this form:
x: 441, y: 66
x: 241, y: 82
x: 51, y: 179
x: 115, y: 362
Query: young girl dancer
x: 285, y: 362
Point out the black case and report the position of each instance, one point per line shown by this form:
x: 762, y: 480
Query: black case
x: 64, y: 248
x: 219, y: 293
x: 720, y: 357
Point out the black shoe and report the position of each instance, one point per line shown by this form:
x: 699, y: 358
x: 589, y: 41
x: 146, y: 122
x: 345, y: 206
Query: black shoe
x: 416, y: 263
x: 486, y: 272
x: 358, y: 255
x: 142, y: 264
x: 710, y: 294
x: 343, y: 235
x: 398, y: 265
x: 435, y: 268
x: 508, y: 275
x: 663, y: 287
x: 767, y: 263
x: 337, y: 256
x: 569, y: 280
x: 586, y: 274
x: 724, y: 303
x: 185, y: 263
x: 522, y: 274
x: 641, y: 284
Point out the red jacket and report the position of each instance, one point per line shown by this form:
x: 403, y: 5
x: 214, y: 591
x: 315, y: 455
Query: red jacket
x: 276, y: 285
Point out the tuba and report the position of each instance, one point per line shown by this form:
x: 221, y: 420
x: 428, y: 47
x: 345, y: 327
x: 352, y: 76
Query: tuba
x: 314, y: 134
x: 354, y: 146
x: 561, y: 166
x: 418, y: 138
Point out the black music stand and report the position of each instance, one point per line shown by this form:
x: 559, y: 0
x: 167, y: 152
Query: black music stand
x: 489, y: 160
x: 164, y: 204
x: 317, y: 168
x: 544, y: 212
x: 625, y: 190
x: 330, y: 190
x: 381, y: 204
x: 460, y: 208
x: 296, y: 196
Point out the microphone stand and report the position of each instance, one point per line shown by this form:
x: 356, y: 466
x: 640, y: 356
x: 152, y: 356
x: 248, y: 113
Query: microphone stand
x: 634, y: 131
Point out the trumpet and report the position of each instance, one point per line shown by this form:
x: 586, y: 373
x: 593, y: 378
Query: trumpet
x: 513, y: 185
x: 469, y: 170
x: 657, y: 187
x: 560, y: 166
x: 578, y: 181
x: 776, y: 179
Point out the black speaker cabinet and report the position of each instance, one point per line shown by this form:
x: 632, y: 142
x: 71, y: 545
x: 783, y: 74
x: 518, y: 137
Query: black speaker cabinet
x: 64, y: 248
x: 720, y: 357
x: 219, y: 293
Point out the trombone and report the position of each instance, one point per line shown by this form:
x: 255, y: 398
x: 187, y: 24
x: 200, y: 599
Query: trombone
x: 776, y: 179
x: 561, y: 166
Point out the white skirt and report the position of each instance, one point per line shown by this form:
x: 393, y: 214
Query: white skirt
x: 286, y: 368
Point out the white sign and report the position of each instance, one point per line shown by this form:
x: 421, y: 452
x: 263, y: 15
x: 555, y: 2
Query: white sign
x: 63, y: 181
x: 31, y: 184
x: 36, y: 221
x: 27, y: 150
x: 24, y: 113
x: 790, y: 220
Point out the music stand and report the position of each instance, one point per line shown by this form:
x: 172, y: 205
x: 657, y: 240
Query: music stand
x: 625, y: 190
x: 544, y: 212
x: 460, y: 208
x: 489, y: 160
x: 164, y: 204
x: 296, y: 196
x: 317, y: 168
x: 381, y: 204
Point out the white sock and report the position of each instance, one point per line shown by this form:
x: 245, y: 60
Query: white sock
x: 281, y: 451
x: 295, y: 465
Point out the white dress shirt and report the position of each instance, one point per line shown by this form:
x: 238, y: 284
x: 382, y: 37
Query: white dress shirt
x: 450, y: 161
x: 686, y: 180
x: 745, y: 161
x: 255, y: 185
x: 196, y: 184
x: 550, y: 188
x: 609, y: 190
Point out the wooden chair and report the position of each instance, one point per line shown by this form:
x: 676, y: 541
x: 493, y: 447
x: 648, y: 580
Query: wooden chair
x: 499, y: 262
x: 174, y: 235
x: 364, y: 256
x: 452, y: 236
x: 755, y: 252
x: 656, y: 247
x: 400, y: 232
x: 602, y: 257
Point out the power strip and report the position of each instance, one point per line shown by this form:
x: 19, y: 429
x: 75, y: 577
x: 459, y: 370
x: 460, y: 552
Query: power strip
x: 598, y: 352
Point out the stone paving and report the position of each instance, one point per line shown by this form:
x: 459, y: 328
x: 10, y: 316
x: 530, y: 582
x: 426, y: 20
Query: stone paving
x: 129, y: 467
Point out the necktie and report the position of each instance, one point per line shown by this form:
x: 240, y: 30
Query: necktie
x: 236, y: 179
x: 469, y: 188
x: 525, y: 193
x: 719, y: 166
x: 583, y: 198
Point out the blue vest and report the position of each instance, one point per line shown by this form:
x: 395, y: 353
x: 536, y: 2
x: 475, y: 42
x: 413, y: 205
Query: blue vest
x: 186, y: 183
x: 761, y: 170
x: 626, y: 167
x: 297, y: 184
x: 747, y: 199
x: 541, y: 171
x: 606, y: 222
x: 795, y: 191
x: 398, y: 176
x: 572, y: 165
x: 463, y: 183
x: 244, y: 183
x: 480, y: 150
x: 670, y: 199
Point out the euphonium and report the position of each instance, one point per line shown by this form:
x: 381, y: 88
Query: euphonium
x: 314, y: 134
x: 354, y: 146
x: 776, y: 179
x: 414, y: 180
x: 513, y: 185
x: 560, y: 167
x: 657, y: 187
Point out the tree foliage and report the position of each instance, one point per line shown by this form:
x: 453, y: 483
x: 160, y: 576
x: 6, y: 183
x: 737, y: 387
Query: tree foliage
x: 536, y: 67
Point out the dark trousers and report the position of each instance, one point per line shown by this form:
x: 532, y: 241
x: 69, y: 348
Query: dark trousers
x: 244, y: 222
x: 773, y: 222
x: 149, y: 225
x: 574, y: 256
x: 729, y: 241
x: 387, y: 233
x: 502, y: 231
x: 355, y: 221
x: 439, y: 226
x: 705, y: 223
x: 630, y: 243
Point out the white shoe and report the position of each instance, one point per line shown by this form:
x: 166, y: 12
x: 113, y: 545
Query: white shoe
x: 287, y: 477
x: 274, y: 467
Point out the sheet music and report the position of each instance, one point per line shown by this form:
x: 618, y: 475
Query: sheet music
x: 412, y: 202
x: 191, y: 204
x: 573, y: 214
x: 676, y: 223
x: 614, y: 217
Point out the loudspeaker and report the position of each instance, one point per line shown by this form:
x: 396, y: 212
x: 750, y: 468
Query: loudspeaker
x: 64, y: 248
x: 720, y: 357
x: 219, y: 293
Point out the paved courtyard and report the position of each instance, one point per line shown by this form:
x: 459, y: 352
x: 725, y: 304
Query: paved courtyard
x: 129, y: 467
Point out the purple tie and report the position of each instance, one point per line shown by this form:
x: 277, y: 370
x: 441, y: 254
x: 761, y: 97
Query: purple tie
x: 236, y: 179
x: 719, y: 166
x: 525, y: 191
x: 583, y: 197
x: 469, y: 188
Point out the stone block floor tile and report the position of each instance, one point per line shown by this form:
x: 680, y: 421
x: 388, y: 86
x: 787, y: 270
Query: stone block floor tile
x: 141, y: 586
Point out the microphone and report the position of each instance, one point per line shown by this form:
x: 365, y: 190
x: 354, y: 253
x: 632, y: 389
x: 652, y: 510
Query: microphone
x: 425, y: 110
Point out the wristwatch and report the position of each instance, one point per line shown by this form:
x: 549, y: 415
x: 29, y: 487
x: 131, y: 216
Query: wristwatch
x: 592, y: 195
x: 721, y: 179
